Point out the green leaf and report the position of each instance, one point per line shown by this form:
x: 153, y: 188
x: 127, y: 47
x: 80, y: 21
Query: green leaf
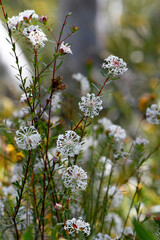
x: 95, y: 86
x: 103, y: 73
x: 142, y: 232
x: 28, y: 234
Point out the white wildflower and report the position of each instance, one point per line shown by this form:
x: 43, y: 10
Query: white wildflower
x: 64, y: 48
x: 35, y: 36
x: 75, y: 178
x: 69, y: 144
x: 140, y: 141
x: 115, y: 195
x: 115, y: 65
x: 27, y: 15
x: 101, y: 236
x: 77, y: 225
x: 13, y: 22
x: 85, y: 86
x: 117, y: 132
x: 27, y: 138
x: 153, y: 114
x: 90, y: 105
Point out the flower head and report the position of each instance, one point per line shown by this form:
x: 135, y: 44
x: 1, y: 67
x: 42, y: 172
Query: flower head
x: 117, y: 132
x: 27, y: 138
x: 77, y: 225
x: 35, y: 36
x: 75, y: 178
x: 13, y: 22
x: 43, y: 19
x: 115, y: 65
x: 69, y: 144
x: 64, y: 48
x: 27, y: 15
x: 153, y: 114
x: 90, y: 105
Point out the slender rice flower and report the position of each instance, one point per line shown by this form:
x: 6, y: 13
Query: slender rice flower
x: 101, y: 236
x: 153, y: 114
x: 140, y: 141
x: 75, y: 178
x: 13, y: 22
x: 90, y: 105
x: 69, y: 144
x: 64, y: 48
x: 85, y: 86
x: 77, y: 225
x: 115, y: 65
x: 116, y: 196
x: 117, y: 132
x: 35, y: 36
x: 27, y: 138
x: 27, y: 15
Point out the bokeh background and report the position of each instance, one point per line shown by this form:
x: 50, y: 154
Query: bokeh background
x: 128, y: 29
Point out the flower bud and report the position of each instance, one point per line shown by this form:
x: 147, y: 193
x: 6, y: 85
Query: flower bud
x: 43, y: 19
x: 58, y: 206
x: 74, y: 29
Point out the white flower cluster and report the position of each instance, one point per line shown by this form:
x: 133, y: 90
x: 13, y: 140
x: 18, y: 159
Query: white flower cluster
x: 116, y: 196
x: 85, y: 86
x: 101, y: 236
x: 115, y: 65
x: 77, y: 225
x: 117, y: 132
x: 90, y: 105
x: 75, y: 178
x: 23, y: 16
x: 153, y: 114
x: 140, y: 141
x: 35, y: 35
x: 64, y: 48
x: 27, y: 138
x: 69, y: 144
